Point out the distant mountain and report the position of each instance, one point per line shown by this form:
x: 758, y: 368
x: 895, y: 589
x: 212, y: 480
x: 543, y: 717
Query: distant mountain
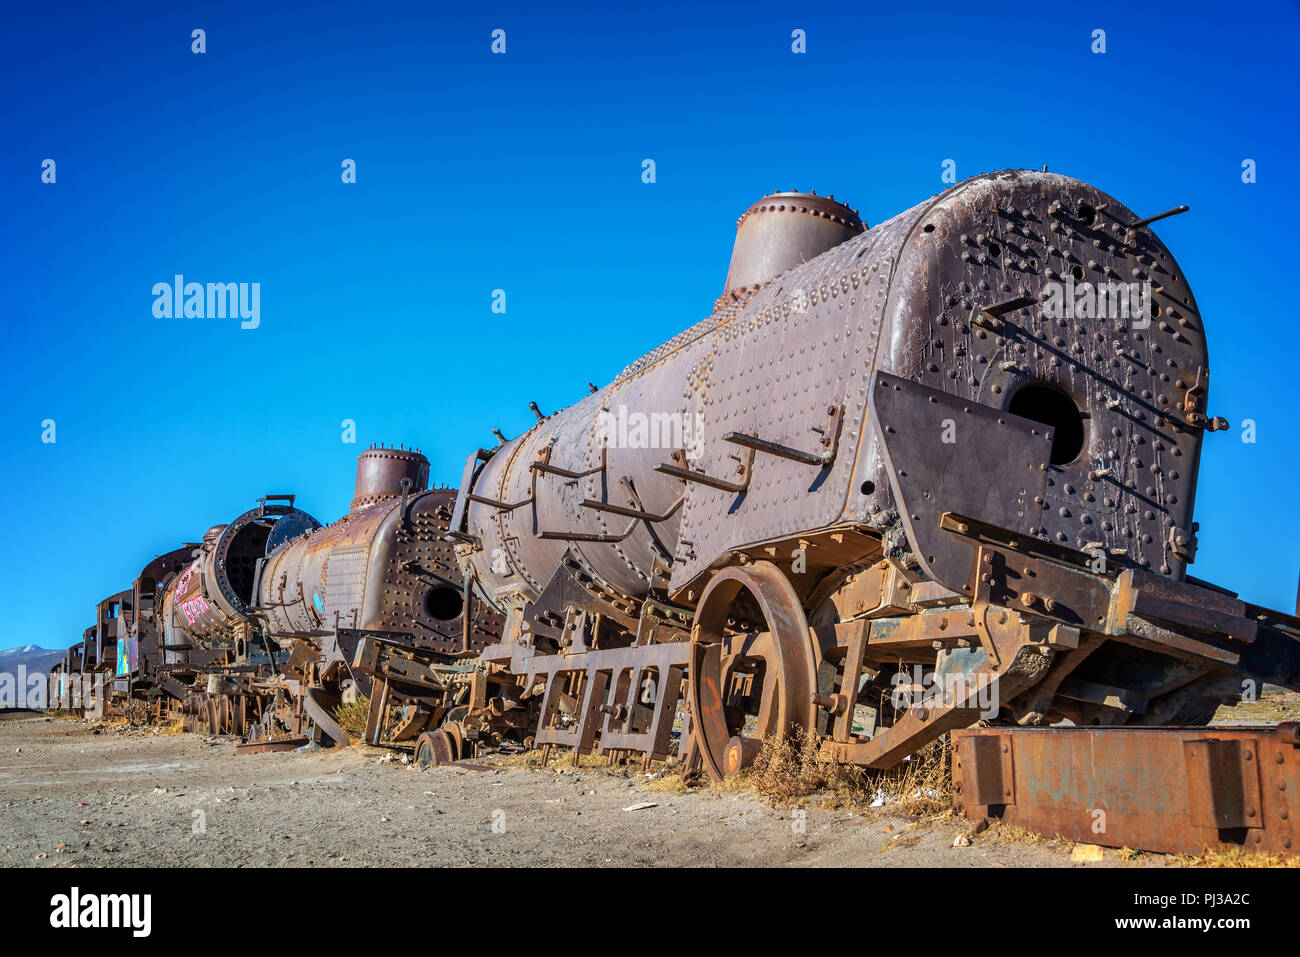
x: 33, y: 657
x: 26, y: 650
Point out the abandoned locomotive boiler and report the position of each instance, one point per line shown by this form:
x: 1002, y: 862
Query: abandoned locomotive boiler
x: 376, y: 599
x: 910, y: 492
x: 901, y: 479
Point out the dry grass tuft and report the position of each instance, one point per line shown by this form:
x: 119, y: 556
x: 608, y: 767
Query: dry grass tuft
x: 1235, y: 857
x: 1013, y: 833
x: 667, y: 778
x: 352, y: 717
x: 174, y: 725
x: 523, y: 759
x: 924, y: 784
x: 109, y: 724
x: 792, y: 769
x: 669, y: 782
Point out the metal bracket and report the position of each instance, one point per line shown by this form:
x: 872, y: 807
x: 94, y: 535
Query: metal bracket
x: 1131, y: 233
x: 993, y: 479
x: 638, y: 514
x: 991, y: 316
x: 262, y: 506
x: 830, y: 442
x: 1183, y: 543
x: 1190, y: 406
x: 678, y: 469
x: 593, y: 537
x: 498, y: 505
x: 543, y: 465
x: 986, y: 769
x: 460, y: 511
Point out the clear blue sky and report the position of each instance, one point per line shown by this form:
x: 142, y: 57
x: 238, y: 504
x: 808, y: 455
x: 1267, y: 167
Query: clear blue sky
x: 523, y: 172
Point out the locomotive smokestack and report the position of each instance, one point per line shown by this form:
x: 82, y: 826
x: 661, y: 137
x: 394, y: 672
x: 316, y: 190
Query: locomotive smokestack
x: 380, y: 472
x: 781, y: 231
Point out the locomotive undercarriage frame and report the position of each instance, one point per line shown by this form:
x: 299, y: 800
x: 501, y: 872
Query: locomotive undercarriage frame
x: 614, y: 700
x: 244, y: 708
x: 814, y: 633
x: 1012, y: 646
x: 459, y: 701
x: 1020, y: 666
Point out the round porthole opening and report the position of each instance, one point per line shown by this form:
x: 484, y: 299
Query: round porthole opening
x: 1053, y: 408
x: 444, y: 603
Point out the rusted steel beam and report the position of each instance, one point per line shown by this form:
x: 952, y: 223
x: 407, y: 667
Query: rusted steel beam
x: 1171, y: 790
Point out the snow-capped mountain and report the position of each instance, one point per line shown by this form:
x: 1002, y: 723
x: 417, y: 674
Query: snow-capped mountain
x: 32, y: 657
x: 27, y: 650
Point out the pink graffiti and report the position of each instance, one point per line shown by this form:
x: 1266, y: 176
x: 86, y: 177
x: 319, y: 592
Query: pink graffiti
x: 193, y: 608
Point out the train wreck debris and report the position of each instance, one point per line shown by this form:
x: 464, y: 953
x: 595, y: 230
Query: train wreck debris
x: 879, y: 494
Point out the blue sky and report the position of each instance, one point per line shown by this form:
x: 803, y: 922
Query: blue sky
x: 523, y: 172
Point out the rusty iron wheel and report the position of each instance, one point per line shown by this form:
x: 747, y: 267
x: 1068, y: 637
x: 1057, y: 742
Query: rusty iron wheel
x: 434, y: 748
x: 459, y: 744
x: 779, y: 659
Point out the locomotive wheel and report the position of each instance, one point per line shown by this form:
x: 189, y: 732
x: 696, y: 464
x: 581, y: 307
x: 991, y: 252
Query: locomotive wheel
x: 458, y: 739
x: 783, y: 652
x: 435, y: 748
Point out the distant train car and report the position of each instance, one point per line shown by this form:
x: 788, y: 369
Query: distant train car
x: 260, y: 625
x: 213, y: 598
x: 381, y: 578
x: 145, y: 671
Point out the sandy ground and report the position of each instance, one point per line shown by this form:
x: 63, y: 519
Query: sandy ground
x: 70, y: 797
x: 1274, y: 705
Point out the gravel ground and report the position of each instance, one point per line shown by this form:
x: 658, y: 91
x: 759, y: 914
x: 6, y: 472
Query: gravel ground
x: 71, y: 797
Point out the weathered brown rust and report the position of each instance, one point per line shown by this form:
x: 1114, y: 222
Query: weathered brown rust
x: 385, y: 572
x: 384, y: 473
x: 437, y: 689
x: 434, y: 749
x: 887, y: 488
x: 1171, y: 790
x: 903, y: 406
x: 144, y: 670
x: 213, y: 601
x: 279, y: 605
x: 779, y: 645
x: 784, y: 230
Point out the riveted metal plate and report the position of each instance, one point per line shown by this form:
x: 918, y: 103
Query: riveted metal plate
x: 345, y: 583
x: 946, y: 454
x: 805, y: 344
x: 1062, y: 244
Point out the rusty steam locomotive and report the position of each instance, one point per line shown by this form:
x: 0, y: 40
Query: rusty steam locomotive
x: 253, y: 631
x: 901, y: 479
